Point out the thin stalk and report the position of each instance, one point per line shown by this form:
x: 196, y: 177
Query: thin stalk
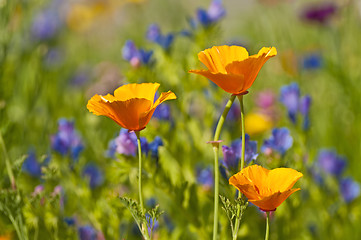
x: 267, y: 227
x: 144, y: 229
x: 240, y: 98
x: 140, y: 171
x: 216, y: 163
x: 7, y: 163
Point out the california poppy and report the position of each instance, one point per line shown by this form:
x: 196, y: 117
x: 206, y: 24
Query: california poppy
x: 231, y: 68
x: 266, y: 189
x: 132, y: 105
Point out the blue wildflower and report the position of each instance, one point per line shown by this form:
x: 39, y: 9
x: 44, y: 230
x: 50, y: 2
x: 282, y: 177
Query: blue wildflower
x: 154, y: 146
x: 66, y: 140
x: 134, y: 56
x: 154, y: 34
x: 152, y: 224
x: 312, y: 61
x: 94, y: 174
x: 214, y: 13
x: 70, y: 221
x: 205, y: 177
x: 162, y: 112
x: 280, y: 141
x: 87, y: 233
x: 290, y: 96
x: 126, y: 143
x: 350, y: 189
x: 233, y: 154
x: 31, y: 165
x: 330, y: 162
x: 46, y: 24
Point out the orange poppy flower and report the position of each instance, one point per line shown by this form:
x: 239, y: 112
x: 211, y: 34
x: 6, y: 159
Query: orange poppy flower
x: 266, y: 189
x: 231, y: 68
x: 132, y: 105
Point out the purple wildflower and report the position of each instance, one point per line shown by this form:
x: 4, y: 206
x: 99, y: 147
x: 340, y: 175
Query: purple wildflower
x: 214, y: 13
x: 154, y: 34
x: 94, y: 174
x: 152, y: 224
x: 312, y: 61
x: 134, y: 56
x: 290, y: 96
x: 87, y: 233
x: 205, y: 178
x: 320, y: 13
x: 46, y: 24
x: 154, y: 146
x: 280, y: 141
x: 66, y: 140
x: 350, y: 189
x: 330, y: 162
x: 265, y: 99
x: 31, y: 165
x: 162, y: 112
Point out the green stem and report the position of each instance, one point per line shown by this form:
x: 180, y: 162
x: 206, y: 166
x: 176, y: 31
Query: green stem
x: 7, y: 162
x: 144, y: 229
x: 240, y: 98
x: 267, y: 227
x: 216, y: 163
x: 140, y: 171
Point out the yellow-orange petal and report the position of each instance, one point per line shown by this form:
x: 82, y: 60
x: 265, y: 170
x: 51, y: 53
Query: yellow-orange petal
x: 217, y: 57
x: 230, y: 83
x: 164, y: 96
x: 251, y: 66
x: 282, y: 179
x: 270, y: 203
x: 134, y: 90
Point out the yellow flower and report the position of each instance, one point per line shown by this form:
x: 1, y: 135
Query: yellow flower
x: 231, y: 68
x: 266, y: 189
x: 257, y: 123
x: 132, y: 105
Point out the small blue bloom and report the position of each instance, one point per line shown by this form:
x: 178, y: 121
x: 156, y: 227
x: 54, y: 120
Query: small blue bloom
x: 70, y: 221
x: 87, y: 233
x: 214, y: 13
x: 154, y: 146
x: 350, y: 189
x: 94, y: 174
x: 290, y: 96
x: 31, y: 165
x: 162, y: 112
x: 134, y: 56
x: 280, y: 141
x: 154, y: 34
x: 312, y: 61
x: 250, y: 149
x: 304, y: 107
x: 230, y: 160
x: 205, y: 177
x: 126, y: 143
x: 330, y: 162
x: 152, y: 224
x: 66, y: 140
x: 46, y: 24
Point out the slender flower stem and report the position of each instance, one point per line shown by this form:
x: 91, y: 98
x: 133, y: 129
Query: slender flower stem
x: 7, y: 163
x: 267, y: 227
x: 144, y: 229
x: 240, y: 98
x: 140, y: 171
x: 216, y: 163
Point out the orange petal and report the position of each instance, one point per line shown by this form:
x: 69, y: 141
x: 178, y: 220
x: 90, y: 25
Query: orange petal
x: 228, y: 82
x: 250, y: 67
x: 164, y: 96
x: 143, y: 90
x: 282, y: 179
x: 131, y: 114
x: 244, y: 185
x: 217, y: 57
x: 270, y: 203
